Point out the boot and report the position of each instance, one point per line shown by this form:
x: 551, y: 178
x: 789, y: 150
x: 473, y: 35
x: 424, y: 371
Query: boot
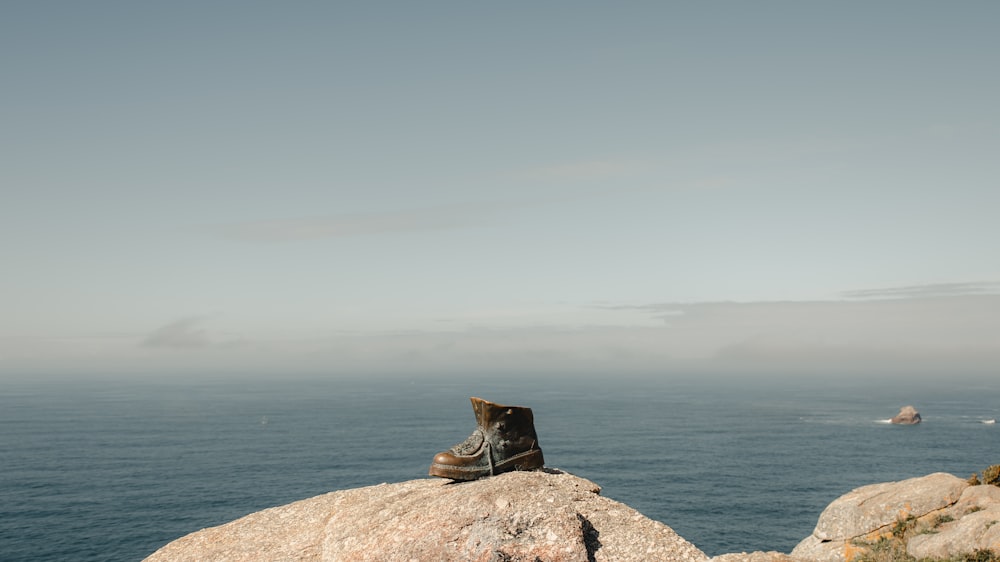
x: 504, y: 440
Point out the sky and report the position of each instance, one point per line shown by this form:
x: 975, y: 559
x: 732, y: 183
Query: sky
x: 329, y: 188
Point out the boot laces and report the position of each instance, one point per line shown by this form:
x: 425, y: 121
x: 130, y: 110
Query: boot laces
x: 471, y: 444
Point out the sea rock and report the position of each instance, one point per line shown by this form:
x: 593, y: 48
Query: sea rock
x: 546, y: 516
x: 869, y: 511
x: 908, y: 415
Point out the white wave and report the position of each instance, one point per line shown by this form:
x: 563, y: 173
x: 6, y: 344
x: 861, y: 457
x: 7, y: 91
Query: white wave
x: 988, y: 422
x: 889, y: 420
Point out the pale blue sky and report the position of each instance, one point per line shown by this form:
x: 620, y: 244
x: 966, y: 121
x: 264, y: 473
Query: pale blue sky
x: 295, y: 187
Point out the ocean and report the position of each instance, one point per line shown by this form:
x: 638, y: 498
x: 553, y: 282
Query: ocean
x: 113, y: 470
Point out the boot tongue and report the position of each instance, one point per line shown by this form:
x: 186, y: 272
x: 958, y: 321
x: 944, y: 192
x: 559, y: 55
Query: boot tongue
x: 471, y: 444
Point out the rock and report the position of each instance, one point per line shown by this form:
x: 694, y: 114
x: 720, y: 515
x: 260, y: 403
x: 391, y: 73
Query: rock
x: 546, y: 515
x: 908, y: 415
x: 975, y: 498
x: 869, y: 511
x: 979, y: 530
x: 972, y: 523
x: 872, y: 507
x: 816, y: 550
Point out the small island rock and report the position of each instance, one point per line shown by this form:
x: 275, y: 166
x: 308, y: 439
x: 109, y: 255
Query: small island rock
x: 908, y: 415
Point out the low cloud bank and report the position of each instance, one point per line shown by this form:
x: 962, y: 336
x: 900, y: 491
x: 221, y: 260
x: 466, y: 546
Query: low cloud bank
x: 950, y: 335
x: 183, y: 333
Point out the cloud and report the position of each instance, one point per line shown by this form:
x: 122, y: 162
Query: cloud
x: 919, y: 335
x: 959, y: 332
x: 954, y: 335
x: 454, y: 216
x: 925, y: 335
x: 931, y: 290
x: 663, y: 311
x: 342, y: 226
x: 585, y: 170
x: 185, y: 333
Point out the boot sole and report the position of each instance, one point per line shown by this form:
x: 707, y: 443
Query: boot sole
x: 528, y: 460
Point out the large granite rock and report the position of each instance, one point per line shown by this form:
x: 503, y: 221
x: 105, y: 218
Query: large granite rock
x: 908, y: 415
x: 868, y: 512
x: 548, y: 516
x: 973, y: 523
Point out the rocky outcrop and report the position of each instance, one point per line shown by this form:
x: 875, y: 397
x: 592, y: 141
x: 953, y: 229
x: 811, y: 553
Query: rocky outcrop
x: 973, y: 523
x: 927, y: 516
x: 519, y: 516
x: 873, y: 507
x: 552, y: 516
x: 908, y: 415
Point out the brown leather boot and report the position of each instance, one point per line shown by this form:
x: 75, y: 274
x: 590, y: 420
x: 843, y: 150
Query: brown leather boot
x: 505, y: 440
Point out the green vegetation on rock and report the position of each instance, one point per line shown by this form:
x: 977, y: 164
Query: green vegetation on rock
x: 991, y: 475
x: 892, y: 547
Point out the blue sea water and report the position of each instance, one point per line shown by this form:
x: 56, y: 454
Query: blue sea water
x: 113, y: 470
